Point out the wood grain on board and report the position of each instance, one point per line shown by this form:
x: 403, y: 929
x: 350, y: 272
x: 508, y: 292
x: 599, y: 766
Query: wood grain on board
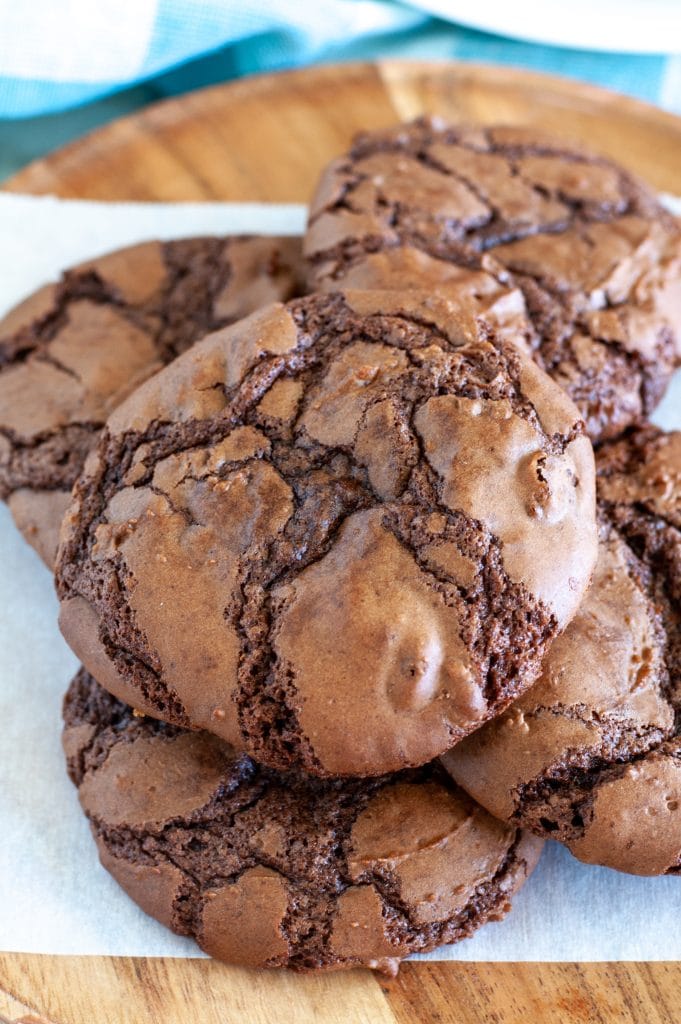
x: 122, y: 990
x: 266, y: 138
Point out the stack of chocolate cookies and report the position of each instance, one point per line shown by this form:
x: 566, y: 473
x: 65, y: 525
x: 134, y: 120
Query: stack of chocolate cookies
x: 369, y: 553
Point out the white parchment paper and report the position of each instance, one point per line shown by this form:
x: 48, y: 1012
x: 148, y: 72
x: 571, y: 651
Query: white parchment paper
x: 54, y: 896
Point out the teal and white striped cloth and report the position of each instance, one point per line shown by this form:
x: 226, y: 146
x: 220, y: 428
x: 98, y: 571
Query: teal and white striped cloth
x: 55, y: 55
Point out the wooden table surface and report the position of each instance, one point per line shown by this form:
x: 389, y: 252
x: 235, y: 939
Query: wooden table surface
x: 266, y: 138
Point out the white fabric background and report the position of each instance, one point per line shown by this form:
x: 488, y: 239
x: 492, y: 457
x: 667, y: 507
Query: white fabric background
x: 75, y: 40
x: 54, y: 896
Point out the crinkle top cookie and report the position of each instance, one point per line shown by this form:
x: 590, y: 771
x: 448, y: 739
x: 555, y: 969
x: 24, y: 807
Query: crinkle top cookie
x: 339, y: 534
x: 595, y: 256
x: 73, y: 350
x: 270, y: 870
x: 591, y: 756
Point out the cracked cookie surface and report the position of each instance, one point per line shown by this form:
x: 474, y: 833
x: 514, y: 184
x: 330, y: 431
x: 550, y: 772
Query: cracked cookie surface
x: 270, y: 870
x: 73, y: 350
x: 339, y: 534
x: 493, y: 210
x: 591, y: 756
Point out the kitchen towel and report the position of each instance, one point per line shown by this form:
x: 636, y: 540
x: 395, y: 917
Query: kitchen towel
x: 55, y: 56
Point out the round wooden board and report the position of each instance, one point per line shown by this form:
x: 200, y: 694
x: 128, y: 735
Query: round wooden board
x: 266, y: 138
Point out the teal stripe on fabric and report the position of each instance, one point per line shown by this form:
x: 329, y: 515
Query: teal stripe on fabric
x: 182, y: 34
x: 271, y: 33
x: 28, y: 98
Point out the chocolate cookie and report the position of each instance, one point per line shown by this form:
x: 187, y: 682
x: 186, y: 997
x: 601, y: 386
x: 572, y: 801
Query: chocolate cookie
x: 595, y: 255
x: 73, y: 350
x: 591, y: 756
x: 270, y: 870
x: 339, y: 534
